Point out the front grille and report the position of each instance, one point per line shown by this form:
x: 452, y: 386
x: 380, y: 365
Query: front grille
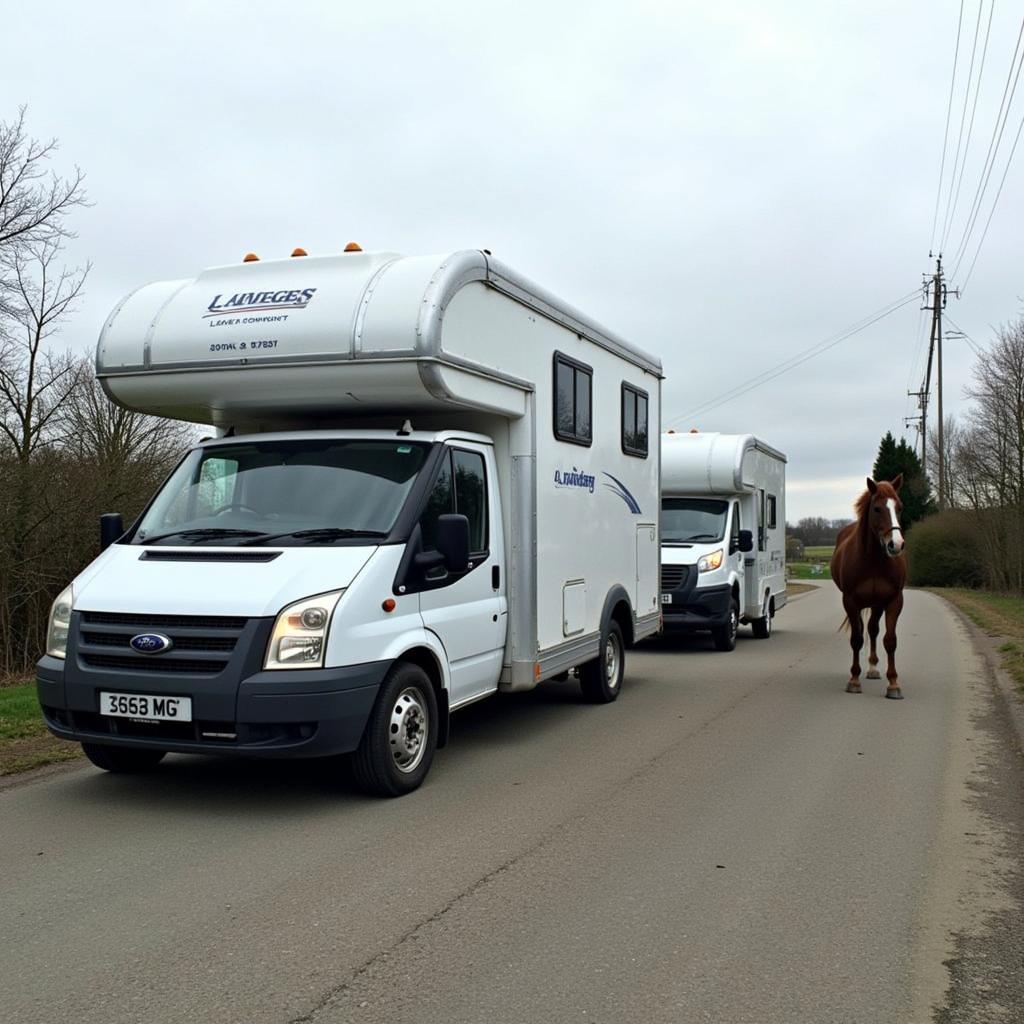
x: 673, y: 577
x: 200, y: 644
x: 164, y: 621
x: 154, y: 663
x: 182, y: 643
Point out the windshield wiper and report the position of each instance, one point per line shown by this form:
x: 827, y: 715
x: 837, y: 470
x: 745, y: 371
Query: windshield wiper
x: 703, y: 536
x: 200, y: 533
x: 324, y: 533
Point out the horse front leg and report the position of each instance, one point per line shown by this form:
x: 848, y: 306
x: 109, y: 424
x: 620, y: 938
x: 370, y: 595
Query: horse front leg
x: 892, y: 613
x: 853, y: 614
x: 873, y: 620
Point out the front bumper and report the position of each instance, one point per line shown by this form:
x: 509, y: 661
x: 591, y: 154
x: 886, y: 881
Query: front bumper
x: 693, y: 608
x: 303, y: 713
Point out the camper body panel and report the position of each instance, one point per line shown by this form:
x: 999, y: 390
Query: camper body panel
x: 736, y: 482
x: 320, y: 351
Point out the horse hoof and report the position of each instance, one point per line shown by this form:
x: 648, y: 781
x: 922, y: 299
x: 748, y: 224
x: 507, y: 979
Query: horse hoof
x: 894, y: 693
x: 853, y: 687
x: 873, y: 673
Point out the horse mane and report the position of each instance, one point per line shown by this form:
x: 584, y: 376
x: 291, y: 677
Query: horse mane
x: 860, y: 506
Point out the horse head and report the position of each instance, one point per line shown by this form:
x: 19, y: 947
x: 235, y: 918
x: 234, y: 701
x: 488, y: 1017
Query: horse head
x: 882, y: 508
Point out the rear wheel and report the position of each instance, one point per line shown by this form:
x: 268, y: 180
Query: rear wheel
x: 724, y: 636
x: 762, y: 627
x: 123, y: 760
x: 601, y: 679
x: 400, y: 738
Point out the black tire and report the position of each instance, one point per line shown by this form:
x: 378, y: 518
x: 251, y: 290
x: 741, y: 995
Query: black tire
x: 601, y: 679
x: 398, y: 744
x: 724, y: 636
x: 123, y: 760
x: 763, y: 627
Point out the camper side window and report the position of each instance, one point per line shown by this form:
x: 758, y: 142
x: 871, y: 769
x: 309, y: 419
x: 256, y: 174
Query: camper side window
x: 762, y: 535
x: 771, y: 512
x: 634, y: 421
x: 573, y: 400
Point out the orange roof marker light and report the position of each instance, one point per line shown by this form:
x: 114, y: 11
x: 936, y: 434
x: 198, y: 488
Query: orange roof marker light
x: 353, y: 247
x: 694, y: 430
x: 299, y: 251
x: 250, y: 257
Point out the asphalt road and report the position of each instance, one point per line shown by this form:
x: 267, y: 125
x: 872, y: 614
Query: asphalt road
x: 736, y: 839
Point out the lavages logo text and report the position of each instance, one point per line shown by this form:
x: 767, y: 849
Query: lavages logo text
x: 251, y: 302
x: 574, y: 478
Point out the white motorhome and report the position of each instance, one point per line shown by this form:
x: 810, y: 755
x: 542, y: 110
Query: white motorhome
x: 431, y: 481
x: 723, y: 534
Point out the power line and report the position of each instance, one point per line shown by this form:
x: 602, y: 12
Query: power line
x: 960, y: 136
x: 954, y: 199
x: 995, y: 202
x: 801, y: 357
x: 974, y: 346
x: 945, y: 137
x: 993, y: 149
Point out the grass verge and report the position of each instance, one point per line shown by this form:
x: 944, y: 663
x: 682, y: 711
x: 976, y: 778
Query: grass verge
x: 24, y: 741
x: 999, y: 615
x: 792, y: 589
x: 808, y: 571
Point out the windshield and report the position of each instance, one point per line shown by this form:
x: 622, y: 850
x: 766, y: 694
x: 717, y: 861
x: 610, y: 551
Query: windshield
x: 692, y: 520
x: 293, y: 492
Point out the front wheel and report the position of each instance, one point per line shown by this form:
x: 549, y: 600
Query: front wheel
x: 601, y: 679
x: 398, y: 745
x: 123, y: 760
x: 724, y: 636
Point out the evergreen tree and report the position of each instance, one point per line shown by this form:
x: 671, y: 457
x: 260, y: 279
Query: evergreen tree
x: 916, y: 493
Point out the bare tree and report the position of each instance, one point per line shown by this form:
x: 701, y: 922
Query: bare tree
x: 34, y: 200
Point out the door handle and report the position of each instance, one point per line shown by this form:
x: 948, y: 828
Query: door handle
x: 495, y: 577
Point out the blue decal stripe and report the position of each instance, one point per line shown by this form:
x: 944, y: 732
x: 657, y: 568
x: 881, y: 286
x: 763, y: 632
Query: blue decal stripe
x: 623, y: 492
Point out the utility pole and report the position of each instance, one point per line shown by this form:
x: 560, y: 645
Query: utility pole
x: 938, y: 296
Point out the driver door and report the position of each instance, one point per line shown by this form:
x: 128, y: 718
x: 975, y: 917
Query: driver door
x: 467, y: 611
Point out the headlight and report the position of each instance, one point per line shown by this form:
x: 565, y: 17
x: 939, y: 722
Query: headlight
x: 60, y: 623
x: 709, y: 562
x: 300, y: 633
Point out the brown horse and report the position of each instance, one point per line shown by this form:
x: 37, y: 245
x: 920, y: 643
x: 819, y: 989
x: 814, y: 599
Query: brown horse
x: 869, y: 567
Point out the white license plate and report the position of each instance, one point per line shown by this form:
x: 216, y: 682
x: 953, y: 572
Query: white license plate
x: 666, y: 598
x: 154, y: 707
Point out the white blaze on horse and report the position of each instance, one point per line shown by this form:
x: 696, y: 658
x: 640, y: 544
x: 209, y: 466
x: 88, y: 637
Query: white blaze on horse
x: 869, y: 567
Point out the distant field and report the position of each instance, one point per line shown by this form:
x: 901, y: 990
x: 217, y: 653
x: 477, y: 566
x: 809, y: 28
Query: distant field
x: 819, y: 554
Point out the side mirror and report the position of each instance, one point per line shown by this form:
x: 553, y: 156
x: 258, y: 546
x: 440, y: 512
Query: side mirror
x: 111, y: 527
x: 453, y: 541
x: 746, y: 540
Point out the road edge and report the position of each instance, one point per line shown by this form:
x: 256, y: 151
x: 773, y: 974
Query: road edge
x: 1003, y: 686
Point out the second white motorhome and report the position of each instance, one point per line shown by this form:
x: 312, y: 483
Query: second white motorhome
x: 723, y: 534
x: 432, y: 480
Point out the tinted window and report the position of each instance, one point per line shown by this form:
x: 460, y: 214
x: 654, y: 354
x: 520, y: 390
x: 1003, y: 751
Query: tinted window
x: 573, y: 401
x: 465, y: 494
x: 692, y: 520
x: 440, y: 502
x: 565, y: 403
x: 471, y: 496
x: 771, y: 511
x: 634, y: 421
x: 277, y: 488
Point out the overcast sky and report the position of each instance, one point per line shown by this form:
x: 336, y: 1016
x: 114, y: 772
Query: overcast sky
x: 725, y: 185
